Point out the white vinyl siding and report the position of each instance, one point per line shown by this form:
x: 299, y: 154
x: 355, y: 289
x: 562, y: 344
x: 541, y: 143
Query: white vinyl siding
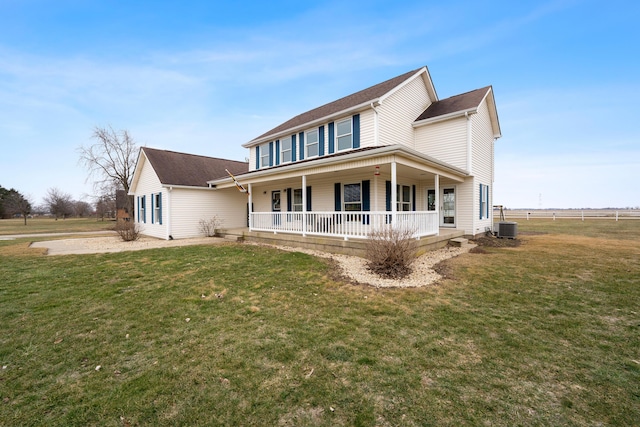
x: 482, y: 157
x: 147, y: 187
x: 446, y: 141
x: 398, y: 112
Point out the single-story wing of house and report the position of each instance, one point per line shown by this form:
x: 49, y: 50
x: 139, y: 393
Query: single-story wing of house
x: 171, y: 194
x: 389, y: 155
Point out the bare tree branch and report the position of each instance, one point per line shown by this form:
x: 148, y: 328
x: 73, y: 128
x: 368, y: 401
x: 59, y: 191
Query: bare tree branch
x: 110, y: 159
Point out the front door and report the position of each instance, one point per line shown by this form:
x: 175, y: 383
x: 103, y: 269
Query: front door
x: 275, y: 207
x: 448, y: 208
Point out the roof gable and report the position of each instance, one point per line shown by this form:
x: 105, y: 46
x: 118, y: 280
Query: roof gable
x: 182, y: 169
x: 362, y: 97
x: 454, y: 104
x: 460, y: 104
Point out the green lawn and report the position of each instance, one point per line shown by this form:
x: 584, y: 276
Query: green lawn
x: 544, y: 334
x: 51, y: 225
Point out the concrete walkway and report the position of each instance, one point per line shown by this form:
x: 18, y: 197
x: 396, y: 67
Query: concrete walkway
x: 70, y: 233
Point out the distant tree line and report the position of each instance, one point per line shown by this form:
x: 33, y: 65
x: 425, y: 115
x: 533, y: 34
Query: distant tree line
x: 110, y: 160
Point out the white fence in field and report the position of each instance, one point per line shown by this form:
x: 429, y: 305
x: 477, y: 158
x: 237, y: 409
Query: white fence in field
x: 344, y: 224
x: 582, y: 214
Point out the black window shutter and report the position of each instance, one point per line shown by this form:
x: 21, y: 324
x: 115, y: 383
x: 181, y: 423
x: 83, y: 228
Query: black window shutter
x: 388, y: 195
x: 413, y: 189
x: 321, y: 141
x: 356, y: 131
x: 332, y: 148
x: 337, y: 188
x: 308, y: 198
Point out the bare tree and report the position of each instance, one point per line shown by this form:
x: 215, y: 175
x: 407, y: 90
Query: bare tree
x: 82, y: 208
x: 111, y: 158
x: 60, y: 204
x: 106, y: 206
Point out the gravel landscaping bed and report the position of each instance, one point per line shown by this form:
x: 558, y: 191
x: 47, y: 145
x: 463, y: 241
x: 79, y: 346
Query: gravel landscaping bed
x: 423, y: 274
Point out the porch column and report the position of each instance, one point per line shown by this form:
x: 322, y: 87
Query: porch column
x: 304, y: 205
x: 250, y: 201
x: 394, y: 193
x: 437, y: 201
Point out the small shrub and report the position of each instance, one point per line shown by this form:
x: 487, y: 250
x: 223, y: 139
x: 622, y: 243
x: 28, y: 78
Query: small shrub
x: 390, y: 252
x: 128, y: 231
x: 209, y: 227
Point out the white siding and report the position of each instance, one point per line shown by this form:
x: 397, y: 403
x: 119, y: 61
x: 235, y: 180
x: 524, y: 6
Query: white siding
x: 482, y: 146
x: 190, y: 206
x: 367, y: 129
x: 252, y: 158
x: 399, y: 111
x: 446, y: 141
x: 147, y: 185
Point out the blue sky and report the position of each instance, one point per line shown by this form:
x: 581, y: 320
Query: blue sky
x: 204, y: 77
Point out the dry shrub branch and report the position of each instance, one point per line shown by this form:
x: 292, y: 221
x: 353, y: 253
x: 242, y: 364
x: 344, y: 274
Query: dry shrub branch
x: 391, y: 251
x: 128, y: 231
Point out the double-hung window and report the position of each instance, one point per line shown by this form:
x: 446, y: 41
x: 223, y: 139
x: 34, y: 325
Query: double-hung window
x: 142, y: 209
x: 265, y: 153
x: 285, y: 150
x: 157, y: 208
x: 484, y: 201
x: 297, y: 200
x: 344, y: 134
x: 353, y: 197
x: 312, y: 143
x: 403, y: 196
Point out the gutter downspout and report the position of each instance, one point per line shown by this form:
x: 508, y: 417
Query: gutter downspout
x: 376, y: 141
x: 169, y: 236
x: 469, y: 147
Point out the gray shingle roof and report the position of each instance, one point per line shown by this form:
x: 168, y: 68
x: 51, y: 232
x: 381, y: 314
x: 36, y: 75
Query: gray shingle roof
x: 462, y: 102
x: 367, y: 95
x: 190, y: 170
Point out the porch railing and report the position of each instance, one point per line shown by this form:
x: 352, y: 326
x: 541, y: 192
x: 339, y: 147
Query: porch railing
x: 344, y: 224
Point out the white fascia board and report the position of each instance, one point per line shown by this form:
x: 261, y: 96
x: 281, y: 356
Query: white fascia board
x: 388, y: 149
x: 186, y: 187
x: 136, y: 172
x: 403, y: 84
x: 444, y: 117
x: 307, y: 125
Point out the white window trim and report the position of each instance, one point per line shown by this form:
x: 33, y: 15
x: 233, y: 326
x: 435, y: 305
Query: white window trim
x: 295, y: 205
x: 399, y: 202
x: 264, y: 154
x: 157, y: 208
x: 337, y: 136
x: 282, y: 150
x: 344, y: 199
x: 307, y: 145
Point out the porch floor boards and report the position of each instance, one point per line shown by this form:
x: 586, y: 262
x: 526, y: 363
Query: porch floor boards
x: 332, y: 244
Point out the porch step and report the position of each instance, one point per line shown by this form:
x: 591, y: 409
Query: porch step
x: 459, y: 241
x: 234, y: 237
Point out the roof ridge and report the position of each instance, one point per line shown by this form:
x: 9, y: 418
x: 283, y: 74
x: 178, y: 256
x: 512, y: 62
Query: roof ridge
x: 193, y: 155
x: 344, y: 103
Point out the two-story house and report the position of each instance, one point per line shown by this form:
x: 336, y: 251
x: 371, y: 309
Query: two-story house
x: 390, y: 155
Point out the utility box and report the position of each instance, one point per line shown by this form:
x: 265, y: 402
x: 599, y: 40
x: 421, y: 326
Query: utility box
x: 507, y: 230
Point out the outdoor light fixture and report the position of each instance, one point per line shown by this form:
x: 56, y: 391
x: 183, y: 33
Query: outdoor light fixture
x: 377, y: 172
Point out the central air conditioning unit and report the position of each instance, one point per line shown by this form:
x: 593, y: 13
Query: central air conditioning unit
x: 507, y: 230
